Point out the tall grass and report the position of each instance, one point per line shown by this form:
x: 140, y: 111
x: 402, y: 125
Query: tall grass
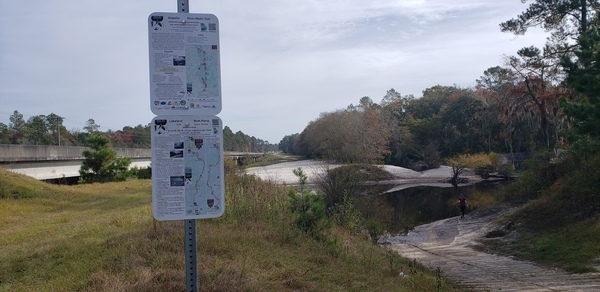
x: 102, y: 237
x: 559, y: 225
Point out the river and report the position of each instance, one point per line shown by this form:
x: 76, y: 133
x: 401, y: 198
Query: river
x: 413, y: 197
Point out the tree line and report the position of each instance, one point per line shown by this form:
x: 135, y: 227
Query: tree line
x: 539, y: 99
x: 49, y: 130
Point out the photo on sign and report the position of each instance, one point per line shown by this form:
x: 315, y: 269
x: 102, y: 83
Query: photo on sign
x: 177, y: 181
x: 179, y: 61
x: 188, y: 174
x: 176, y: 154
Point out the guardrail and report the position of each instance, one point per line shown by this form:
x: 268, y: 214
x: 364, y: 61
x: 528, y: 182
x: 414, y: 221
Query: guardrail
x: 50, y: 162
x: 21, y: 153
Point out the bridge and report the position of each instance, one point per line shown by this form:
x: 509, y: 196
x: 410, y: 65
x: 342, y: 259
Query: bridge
x: 45, y: 162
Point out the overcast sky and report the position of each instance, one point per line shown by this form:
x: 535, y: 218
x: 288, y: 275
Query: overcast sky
x: 283, y: 62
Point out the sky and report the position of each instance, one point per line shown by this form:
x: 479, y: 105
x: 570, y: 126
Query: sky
x: 283, y: 62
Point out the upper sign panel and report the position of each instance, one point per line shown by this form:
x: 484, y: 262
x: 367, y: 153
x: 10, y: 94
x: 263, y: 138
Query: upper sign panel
x: 185, y: 72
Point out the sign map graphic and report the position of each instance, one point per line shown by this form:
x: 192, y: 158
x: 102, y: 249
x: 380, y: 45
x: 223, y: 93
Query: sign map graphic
x: 202, y: 78
x: 189, y: 184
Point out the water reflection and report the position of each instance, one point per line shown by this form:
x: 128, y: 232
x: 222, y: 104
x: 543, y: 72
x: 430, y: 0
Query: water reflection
x: 402, y: 210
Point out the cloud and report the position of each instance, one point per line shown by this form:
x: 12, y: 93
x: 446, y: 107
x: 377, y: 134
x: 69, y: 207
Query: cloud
x: 283, y: 62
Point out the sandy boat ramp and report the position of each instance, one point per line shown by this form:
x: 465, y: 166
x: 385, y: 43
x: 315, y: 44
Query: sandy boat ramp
x: 448, y: 244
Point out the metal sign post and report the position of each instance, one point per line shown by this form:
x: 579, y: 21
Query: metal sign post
x: 183, y: 6
x: 191, y: 254
x: 191, y: 259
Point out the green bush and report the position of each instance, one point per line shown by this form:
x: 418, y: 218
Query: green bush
x: 541, y: 172
x: 375, y: 229
x: 346, y: 215
x: 101, y: 164
x: 310, y: 211
x: 142, y: 173
x: 308, y: 206
x: 339, y: 183
x: 506, y: 169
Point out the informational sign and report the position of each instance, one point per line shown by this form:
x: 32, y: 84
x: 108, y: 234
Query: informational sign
x: 188, y: 172
x: 185, y: 74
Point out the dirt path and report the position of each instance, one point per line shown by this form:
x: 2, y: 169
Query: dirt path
x: 447, y: 244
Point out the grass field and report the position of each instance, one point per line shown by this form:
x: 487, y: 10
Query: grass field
x: 102, y: 237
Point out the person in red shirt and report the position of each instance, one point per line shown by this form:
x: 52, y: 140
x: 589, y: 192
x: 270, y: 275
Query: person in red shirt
x: 462, y: 203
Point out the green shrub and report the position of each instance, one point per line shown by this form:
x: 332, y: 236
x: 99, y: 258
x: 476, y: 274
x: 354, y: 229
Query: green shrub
x: 143, y: 173
x: 338, y: 184
x: 506, y: 169
x: 101, y: 164
x: 541, y: 172
x: 346, y: 215
x: 310, y: 211
x: 375, y: 229
x: 308, y: 206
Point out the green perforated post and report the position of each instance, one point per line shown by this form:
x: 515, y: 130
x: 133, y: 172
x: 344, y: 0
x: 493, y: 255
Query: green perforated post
x: 191, y: 272
x: 191, y: 259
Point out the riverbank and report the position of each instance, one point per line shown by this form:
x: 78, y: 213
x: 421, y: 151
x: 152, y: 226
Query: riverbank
x: 461, y: 248
x: 401, y: 178
x: 451, y: 245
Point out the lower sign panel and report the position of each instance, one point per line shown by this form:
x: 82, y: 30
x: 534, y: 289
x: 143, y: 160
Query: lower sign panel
x: 187, y: 167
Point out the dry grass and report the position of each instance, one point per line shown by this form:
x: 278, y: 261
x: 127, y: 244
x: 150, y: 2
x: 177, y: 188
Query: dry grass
x: 102, y: 237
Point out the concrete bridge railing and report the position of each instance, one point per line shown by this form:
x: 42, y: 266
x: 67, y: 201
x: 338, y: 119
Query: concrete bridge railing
x: 50, y: 162
x: 22, y: 153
